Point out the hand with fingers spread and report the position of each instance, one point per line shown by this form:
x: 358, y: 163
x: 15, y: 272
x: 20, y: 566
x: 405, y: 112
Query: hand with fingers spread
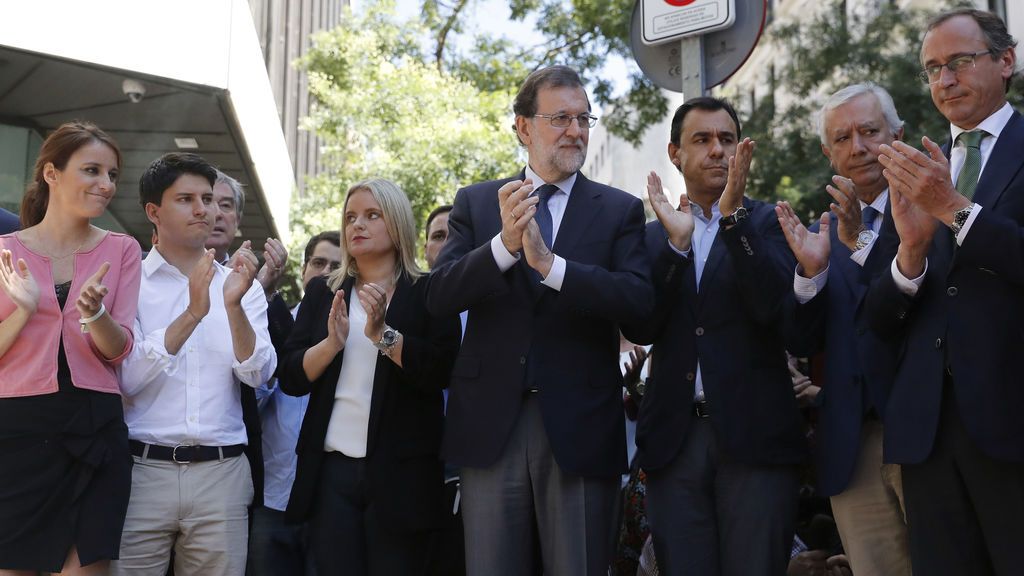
x: 17, y: 282
x: 374, y: 299
x: 736, y: 185
x: 538, y: 255
x: 199, y: 287
x: 245, y: 253
x: 846, y: 207
x: 517, y: 209
x: 337, y: 322
x: 90, y: 298
x: 921, y: 178
x: 811, y: 249
x: 239, y: 281
x: 678, y: 222
x: 631, y: 377
x: 275, y: 259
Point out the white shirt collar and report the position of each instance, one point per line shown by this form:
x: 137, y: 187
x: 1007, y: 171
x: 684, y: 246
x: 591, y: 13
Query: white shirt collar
x: 994, y: 124
x: 155, y: 261
x: 563, y: 185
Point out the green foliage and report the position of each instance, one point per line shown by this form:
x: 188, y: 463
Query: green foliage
x: 383, y: 108
x: 826, y: 53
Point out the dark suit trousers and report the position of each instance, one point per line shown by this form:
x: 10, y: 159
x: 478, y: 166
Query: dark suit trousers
x: 524, y: 499
x: 713, y: 517
x: 964, y: 509
x: 349, y: 537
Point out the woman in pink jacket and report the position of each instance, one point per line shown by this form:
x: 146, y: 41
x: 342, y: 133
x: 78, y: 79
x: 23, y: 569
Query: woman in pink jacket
x: 68, y: 296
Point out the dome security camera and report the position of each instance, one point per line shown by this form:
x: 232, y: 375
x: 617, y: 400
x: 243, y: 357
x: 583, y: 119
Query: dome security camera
x: 134, y: 90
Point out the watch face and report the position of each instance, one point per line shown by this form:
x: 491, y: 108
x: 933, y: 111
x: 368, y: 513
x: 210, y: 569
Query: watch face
x: 865, y: 236
x: 389, y: 337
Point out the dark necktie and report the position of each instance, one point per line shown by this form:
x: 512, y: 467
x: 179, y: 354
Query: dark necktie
x: 543, y: 216
x: 867, y: 217
x: 967, y: 181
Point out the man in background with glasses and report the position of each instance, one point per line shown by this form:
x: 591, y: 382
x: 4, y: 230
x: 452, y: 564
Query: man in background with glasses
x: 548, y: 264
x: 953, y: 302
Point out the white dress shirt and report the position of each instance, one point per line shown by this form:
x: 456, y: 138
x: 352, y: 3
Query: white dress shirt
x: 993, y: 125
x: 350, y: 419
x: 191, y: 397
x: 556, y: 205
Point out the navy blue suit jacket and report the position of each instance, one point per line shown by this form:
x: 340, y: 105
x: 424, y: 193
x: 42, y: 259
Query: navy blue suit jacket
x: 968, y: 315
x: 8, y: 222
x: 735, y: 325
x: 520, y: 333
x: 854, y: 357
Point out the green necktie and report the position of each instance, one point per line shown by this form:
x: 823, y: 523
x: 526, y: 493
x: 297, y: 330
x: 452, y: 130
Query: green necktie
x: 968, y: 179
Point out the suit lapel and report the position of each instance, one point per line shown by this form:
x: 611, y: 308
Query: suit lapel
x: 1003, y: 164
x: 584, y: 204
x: 715, y: 258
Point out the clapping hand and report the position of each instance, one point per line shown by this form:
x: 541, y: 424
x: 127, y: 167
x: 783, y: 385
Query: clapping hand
x: 90, y: 298
x: 846, y: 207
x: 736, y: 185
x: 517, y: 210
x: 17, y: 282
x: 678, y: 222
x: 337, y: 322
x: 811, y: 249
x: 275, y: 258
x: 240, y: 278
x: 374, y: 299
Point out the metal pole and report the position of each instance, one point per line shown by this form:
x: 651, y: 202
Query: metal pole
x: 691, y: 66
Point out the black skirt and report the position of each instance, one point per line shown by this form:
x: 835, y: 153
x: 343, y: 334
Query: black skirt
x: 65, y: 476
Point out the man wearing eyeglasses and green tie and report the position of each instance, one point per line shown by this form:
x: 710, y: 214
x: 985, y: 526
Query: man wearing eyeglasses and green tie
x: 954, y: 305
x: 548, y: 264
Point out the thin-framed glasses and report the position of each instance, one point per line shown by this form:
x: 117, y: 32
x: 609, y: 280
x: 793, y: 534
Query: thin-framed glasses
x: 931, y: 74
x: 585, y: 121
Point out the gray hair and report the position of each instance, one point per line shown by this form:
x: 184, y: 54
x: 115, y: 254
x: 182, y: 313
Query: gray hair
x: 852, y: 91
x: 236, y: 189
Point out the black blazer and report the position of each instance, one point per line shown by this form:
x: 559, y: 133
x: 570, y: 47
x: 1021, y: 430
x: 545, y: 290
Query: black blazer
x: 404, y: 474
x: 968, y: 315
x: 521, y: 334
x: 735, y: 325
x: 858, y: 366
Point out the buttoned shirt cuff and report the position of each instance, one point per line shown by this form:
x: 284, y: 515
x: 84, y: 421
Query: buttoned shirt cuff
x: 967, y: 225
x: 683, y: 253
x: 556, y: 275
x: 861, y: 256
x: 806, y: 289
x: 502, y: 257
x: 906, y: 285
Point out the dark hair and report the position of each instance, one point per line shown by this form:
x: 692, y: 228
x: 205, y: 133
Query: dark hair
x: 165, y: 171
x: 557, y: 76
x: 332, y: 236
x: 997, y: 38
x: 442, y: 209
x: 701, y: 103
x: 57, y: 150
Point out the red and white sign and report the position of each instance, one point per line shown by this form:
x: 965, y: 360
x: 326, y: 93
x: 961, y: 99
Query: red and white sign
x: 667, y: 20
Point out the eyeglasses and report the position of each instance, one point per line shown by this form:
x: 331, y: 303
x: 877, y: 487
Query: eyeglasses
x: 585, y: 121
x: 931, y: 74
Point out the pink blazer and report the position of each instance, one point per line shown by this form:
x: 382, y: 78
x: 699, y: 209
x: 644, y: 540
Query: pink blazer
x: 29, y: 367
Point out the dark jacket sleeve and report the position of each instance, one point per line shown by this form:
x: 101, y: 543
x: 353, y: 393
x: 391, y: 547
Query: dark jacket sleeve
x: 279, y: 324
x: 291, y: 376
x: 668, y: 269
x: 427, y: 359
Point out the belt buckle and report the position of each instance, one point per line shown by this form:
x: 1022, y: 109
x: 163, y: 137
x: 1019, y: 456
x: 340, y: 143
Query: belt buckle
x: 174, y: 454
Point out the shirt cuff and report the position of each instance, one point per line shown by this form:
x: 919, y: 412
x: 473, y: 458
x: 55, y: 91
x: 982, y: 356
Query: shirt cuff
x: 683, y: 253
x: 806, y: 289
x: 556, y: 275
x: 502, y: 257
x: 906, y: 285
x: 967, y: 225
x: 861, y: 256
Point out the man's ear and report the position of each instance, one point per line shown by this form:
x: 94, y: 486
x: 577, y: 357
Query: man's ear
x: 523, y: 128
x: 899, y: 134
x: 827, y: 153
x: 673, y: 150
x: 152, y: 213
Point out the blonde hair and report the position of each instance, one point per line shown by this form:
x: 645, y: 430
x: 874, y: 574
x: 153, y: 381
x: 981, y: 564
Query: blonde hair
x: 399, y: 222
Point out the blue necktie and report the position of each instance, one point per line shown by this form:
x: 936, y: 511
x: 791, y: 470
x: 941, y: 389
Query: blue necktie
x: 867, y: 217
x: 543, y: 216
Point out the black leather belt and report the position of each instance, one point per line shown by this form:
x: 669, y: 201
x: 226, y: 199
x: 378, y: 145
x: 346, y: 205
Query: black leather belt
x: 700, y: 409
x: 184, y: 453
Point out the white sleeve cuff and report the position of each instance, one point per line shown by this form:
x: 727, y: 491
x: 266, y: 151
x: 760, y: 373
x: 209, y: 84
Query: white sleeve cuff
x: 684, y: 254
x: 906, y: 285
x: 502, y: 257
x: 806, y: 289
x: 967, y: 225
x: 556, y: 275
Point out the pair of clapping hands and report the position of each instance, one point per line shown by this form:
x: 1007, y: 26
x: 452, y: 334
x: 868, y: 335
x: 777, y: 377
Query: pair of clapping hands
x: 243, y: 264
x: 21, y: 287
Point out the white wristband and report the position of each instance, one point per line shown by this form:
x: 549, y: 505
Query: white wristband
x: 95, y: 317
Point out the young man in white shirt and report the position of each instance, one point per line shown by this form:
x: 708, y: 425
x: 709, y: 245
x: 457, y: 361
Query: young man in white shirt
x: 201, y: 328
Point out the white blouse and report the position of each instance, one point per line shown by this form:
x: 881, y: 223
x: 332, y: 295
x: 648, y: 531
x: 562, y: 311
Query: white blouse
x: 350, y: 419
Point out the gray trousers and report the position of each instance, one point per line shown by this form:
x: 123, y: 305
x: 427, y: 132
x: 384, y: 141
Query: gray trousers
x: 524, y: 503
x: 200, y: 510
x: 713, y: 517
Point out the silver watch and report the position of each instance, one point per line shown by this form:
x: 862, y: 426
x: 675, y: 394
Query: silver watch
x: 388, y: 339
x: 960, y: 218
x: 864, y: 237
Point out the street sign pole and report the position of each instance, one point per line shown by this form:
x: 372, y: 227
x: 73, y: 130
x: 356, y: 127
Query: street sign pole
x: 691, y: 66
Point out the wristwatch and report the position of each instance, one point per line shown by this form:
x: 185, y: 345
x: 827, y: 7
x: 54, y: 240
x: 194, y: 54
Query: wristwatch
x: 733, y: 218
x: 387, y: 341
x: 864, y: 237
x: 960, y: 218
